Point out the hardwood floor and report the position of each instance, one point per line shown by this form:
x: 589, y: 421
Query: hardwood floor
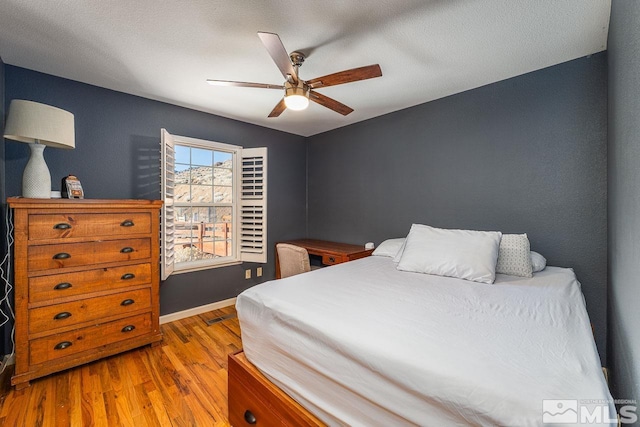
x: 182, y: 382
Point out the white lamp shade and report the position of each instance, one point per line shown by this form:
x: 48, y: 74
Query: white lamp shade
x: 32, y: 122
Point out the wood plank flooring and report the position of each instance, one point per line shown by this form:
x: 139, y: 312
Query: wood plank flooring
x: 182, y: 382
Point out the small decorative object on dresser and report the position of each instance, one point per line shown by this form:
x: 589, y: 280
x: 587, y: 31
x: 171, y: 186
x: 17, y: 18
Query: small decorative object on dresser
x: 70, y: 188
x: 86, y: 281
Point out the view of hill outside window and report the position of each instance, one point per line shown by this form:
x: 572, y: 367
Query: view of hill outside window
x: 203, y: 204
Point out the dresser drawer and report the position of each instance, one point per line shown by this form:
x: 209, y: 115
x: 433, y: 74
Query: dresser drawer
x: 44, y: 257
x: 52, y: 317
x: 46, y: 288
x: 73, y: 342
x: 68, y: 225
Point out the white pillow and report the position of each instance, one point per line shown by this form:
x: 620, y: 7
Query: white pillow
x: 389, y: 247
x: 400, y: 252
x: 514, y: 257
x: 465, y: 254
x: 538, y: 262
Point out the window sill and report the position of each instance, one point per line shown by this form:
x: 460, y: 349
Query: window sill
x: 205, y: 267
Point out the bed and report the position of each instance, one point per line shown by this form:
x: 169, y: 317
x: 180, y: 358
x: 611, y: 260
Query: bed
x: 362, y: 343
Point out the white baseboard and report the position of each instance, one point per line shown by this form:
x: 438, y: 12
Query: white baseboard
x: 196, y: 310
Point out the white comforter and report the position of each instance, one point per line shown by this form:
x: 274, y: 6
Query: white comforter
x: 362, y: 343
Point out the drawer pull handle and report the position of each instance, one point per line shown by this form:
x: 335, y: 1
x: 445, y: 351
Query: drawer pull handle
x: 62, y: 286
x: 127, y: 223
x: 128, y: 276
x: 128, y: 328
x: 62, y: 345
x: 63, y: 315
x: 332, y: 259
x: 126, y: 250
x: 62, y: 226
x: 62, y: 255
x: 127, y: 302
x: 249, y: 417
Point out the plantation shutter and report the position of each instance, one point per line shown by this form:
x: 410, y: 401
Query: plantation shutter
x: 253, y: 205
x: 167, y: 189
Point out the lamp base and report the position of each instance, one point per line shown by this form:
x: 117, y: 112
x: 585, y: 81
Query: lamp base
x: 36, y: 178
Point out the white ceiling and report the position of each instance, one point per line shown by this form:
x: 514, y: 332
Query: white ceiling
x: 165, y: 50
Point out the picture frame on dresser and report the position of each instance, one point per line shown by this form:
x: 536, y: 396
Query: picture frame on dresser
x: 86, y: 281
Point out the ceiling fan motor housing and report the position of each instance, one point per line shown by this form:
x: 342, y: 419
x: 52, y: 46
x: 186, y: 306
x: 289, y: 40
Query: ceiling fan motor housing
x: 297, y: 58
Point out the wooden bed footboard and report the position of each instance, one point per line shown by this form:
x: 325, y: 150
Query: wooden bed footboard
x: 254, y: 400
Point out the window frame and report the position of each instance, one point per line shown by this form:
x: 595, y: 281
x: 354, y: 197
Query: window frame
x: 243, y: 225
x: 236, y: 153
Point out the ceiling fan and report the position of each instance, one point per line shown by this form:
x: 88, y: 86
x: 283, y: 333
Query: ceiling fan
x: 298, y: 92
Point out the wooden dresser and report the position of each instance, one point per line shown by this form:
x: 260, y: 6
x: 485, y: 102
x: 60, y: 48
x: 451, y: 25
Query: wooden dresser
x: 86, y: 281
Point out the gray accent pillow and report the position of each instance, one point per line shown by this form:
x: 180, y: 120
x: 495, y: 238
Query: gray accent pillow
x: 514, y: 257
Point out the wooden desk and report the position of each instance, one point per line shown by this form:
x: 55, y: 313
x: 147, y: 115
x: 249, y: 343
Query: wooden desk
x: 331, y: 252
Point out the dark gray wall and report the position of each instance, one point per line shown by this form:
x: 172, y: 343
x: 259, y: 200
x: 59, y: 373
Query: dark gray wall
x: 624, y: 198
x: 117, y: 156
x: 523, y: 155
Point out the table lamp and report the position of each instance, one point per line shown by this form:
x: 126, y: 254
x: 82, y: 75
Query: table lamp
x: 39, y: 125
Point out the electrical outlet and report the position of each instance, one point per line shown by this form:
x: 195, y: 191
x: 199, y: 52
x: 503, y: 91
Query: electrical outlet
x: 247, y: 274
x: 259, y: 272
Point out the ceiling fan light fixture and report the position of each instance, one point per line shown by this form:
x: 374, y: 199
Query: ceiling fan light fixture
x: 296, y: 97
x: 296, y: 102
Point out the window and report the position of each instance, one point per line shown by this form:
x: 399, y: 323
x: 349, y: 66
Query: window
x: 214, y: 210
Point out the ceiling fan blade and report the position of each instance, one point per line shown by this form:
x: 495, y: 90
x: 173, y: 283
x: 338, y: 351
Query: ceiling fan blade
x: 330, y: 103
x: 278, y: 109
x: 279, y: 54
x: 347, y: 76
x: 243, y: 84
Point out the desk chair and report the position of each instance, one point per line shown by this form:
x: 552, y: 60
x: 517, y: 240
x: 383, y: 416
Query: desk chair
x: 293, y: 260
